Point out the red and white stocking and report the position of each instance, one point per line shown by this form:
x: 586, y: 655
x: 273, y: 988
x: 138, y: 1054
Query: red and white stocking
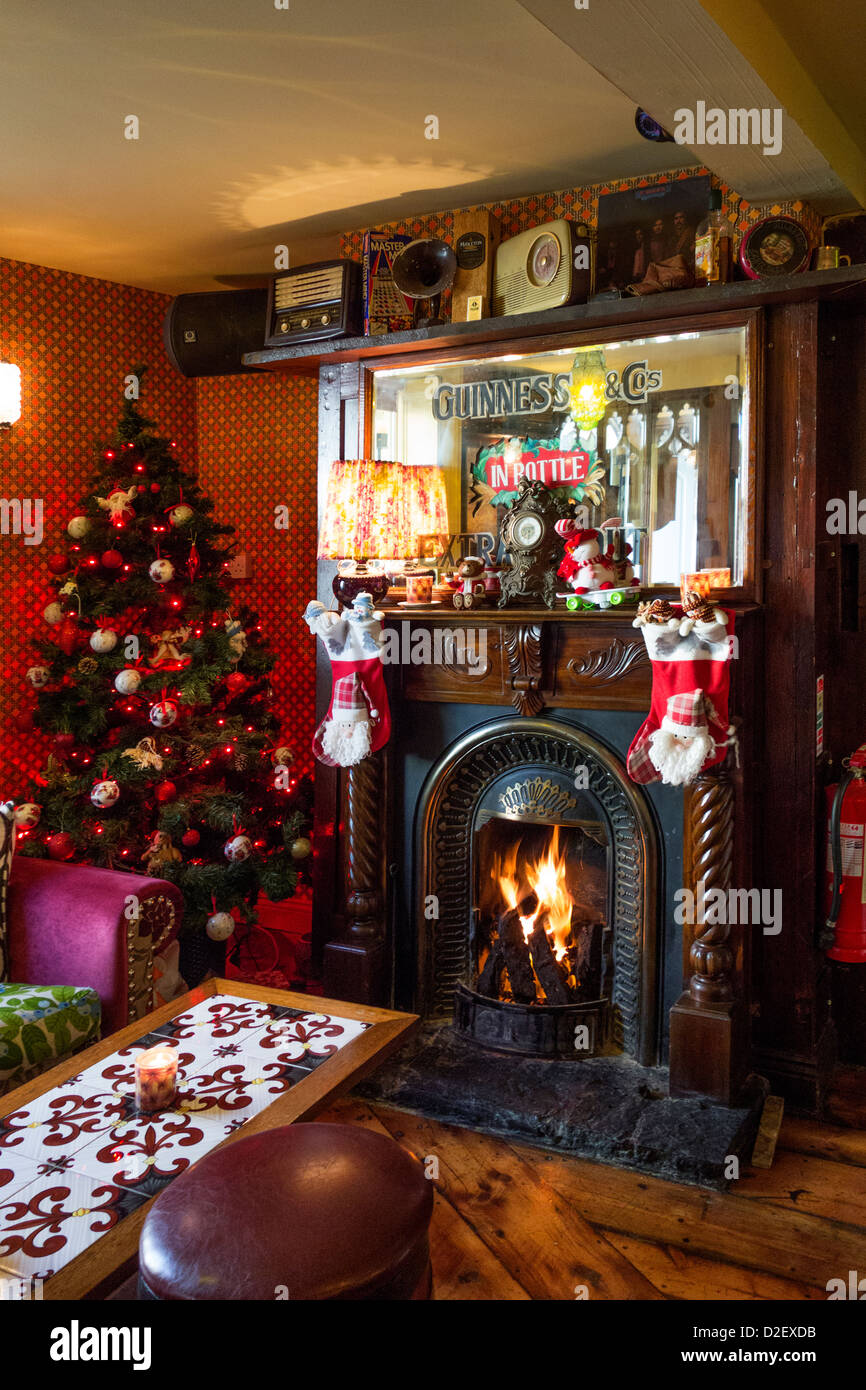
x: 687, y: 729
x: 358, y: 721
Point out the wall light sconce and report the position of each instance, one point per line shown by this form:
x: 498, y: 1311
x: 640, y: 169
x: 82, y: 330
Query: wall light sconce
x: 10, y: 394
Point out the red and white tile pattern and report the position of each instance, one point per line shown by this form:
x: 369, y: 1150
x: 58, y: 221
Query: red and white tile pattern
x: 78, y: 1159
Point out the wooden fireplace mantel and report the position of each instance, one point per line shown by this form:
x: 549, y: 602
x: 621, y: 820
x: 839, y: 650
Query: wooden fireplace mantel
x: 535, y: 657
x: 803, y: 635
x: 539, y: 659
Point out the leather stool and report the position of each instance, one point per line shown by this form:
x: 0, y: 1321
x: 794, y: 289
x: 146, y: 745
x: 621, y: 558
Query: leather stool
x: 308, y: 1211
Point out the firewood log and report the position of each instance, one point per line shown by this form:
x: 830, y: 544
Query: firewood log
x: 551, y: 975
x: 515, y: 951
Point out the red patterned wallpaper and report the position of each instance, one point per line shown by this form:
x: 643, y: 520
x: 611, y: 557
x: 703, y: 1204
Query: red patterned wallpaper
x: 74, y: 339
x: 258, y: 451
x: 580, y: 204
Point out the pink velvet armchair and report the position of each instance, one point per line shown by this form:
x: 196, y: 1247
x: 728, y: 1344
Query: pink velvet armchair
x: 77, y: 925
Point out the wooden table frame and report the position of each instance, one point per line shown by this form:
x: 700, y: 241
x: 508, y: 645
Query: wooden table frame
x: 104, y: 1265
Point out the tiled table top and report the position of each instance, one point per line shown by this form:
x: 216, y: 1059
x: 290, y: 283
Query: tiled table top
x: 79, y: 1158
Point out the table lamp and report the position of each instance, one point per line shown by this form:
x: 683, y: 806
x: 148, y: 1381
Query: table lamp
x: 362, y: 521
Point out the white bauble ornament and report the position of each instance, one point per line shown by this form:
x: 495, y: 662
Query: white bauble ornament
x: 220, y: 926
x: 27, y: 814
x: 38, y: 676
x: 161, y: 571
x: 53, y: 613
x: 237, y: 849
x: 180, y: 515
x: 126, y: 682
x: 163, y: 714
x: 104, y: 639
x: 78, y: 527
x: 104, y: 794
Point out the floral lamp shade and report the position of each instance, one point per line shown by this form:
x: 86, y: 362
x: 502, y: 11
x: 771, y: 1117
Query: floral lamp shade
x: 425, y: 506
x: 376, y: 509
x: 363, y: 516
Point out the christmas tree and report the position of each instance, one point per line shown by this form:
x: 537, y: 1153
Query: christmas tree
x: 154, y: 684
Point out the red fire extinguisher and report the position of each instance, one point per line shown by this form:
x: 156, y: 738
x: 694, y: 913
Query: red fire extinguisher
x: 846, y: 862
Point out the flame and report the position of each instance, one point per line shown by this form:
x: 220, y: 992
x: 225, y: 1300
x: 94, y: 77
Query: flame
x: 546, y: 877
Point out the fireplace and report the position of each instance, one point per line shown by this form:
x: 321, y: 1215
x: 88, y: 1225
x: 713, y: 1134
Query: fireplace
x: 537, y: 871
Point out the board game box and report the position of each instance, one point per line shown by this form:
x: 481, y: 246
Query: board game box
x: 386, y: 310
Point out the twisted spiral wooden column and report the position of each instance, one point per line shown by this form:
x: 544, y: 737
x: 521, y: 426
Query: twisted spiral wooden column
x: 710, y: 812
x: 363, y: 848
x: 708, y: 1036
x: 354, y: 964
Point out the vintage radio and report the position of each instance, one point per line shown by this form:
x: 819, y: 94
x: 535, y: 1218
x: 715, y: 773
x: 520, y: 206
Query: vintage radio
x: 314, y: 301
x: 543, y: 268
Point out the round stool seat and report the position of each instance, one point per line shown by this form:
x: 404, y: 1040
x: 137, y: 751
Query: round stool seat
x: 308, y: 1211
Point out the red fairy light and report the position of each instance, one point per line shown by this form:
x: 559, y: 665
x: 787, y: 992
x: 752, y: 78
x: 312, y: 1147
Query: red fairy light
x: 109, y: 453
x: 139, y: 468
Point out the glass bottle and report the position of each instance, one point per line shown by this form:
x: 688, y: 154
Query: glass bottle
x: 713, y: 245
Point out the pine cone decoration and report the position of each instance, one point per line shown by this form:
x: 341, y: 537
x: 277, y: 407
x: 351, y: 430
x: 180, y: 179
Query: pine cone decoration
x: 87, y: 666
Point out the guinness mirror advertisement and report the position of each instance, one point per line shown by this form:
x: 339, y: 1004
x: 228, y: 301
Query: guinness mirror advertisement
x: 654, y: 430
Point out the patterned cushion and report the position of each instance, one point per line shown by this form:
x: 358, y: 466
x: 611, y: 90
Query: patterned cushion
x: 7, y: 840
x: 39, y: 1024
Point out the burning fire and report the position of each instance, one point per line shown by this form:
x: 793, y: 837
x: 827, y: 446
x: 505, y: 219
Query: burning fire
x: 546, y: 877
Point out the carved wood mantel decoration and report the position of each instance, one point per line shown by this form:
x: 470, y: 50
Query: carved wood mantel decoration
x: 522, y: 644
x: 609, y: 662
x: 534, y: 660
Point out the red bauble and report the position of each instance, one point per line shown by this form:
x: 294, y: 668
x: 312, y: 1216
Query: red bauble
x: 190, y: 838
x: 112, y: 559
x: 236, y: 682
x: 63, y: 742
x: 166, y: 791
x: 59, y: 564
x: 154, y: 487
x: 60, y: 846
x: 24, y: 722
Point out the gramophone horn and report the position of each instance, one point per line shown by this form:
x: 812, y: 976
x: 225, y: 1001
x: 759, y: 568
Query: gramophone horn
x: 422, y: 271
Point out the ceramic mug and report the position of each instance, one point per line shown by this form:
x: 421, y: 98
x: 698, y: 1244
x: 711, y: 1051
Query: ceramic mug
x: 830, y: 258
x: 419, y: 586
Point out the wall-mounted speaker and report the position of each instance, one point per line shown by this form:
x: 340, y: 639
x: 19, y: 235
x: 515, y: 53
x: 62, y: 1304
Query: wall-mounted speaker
x: 208, y: 334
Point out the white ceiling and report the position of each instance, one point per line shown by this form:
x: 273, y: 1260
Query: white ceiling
x: 261, y: 125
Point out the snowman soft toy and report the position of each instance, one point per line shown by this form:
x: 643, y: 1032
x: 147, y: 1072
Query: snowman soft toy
x: 585, y: 566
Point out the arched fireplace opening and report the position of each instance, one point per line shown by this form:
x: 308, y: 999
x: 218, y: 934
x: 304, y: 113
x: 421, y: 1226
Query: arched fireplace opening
x: 537, y: 883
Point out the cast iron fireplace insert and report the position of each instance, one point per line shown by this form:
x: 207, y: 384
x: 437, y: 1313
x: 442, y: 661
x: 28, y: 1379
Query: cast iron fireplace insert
x: 542, y: 859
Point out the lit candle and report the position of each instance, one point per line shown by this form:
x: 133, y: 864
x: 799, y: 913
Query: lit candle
x: 155, y: 1078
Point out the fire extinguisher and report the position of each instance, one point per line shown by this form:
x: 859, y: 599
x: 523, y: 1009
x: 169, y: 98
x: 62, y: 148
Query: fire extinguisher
x: 846, y: 868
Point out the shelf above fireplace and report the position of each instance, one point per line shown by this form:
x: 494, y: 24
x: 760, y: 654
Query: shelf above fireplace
x: 306, y: 358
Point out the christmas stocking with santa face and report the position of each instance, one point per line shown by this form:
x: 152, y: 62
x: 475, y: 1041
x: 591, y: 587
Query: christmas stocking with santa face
x: 687, y: 729
x: 358, y: 721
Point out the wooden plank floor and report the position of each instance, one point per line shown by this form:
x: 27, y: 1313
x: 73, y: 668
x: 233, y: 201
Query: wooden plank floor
x: 516, y: 1222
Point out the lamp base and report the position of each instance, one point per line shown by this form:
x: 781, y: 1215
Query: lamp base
x: 347, y: 587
